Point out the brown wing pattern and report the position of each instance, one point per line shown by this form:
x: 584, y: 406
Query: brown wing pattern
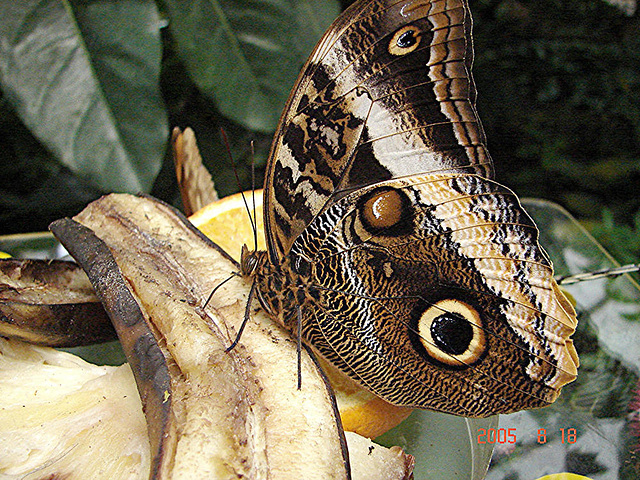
x: 387, y: 93
x: 408, y: 266
x: 451, y: 307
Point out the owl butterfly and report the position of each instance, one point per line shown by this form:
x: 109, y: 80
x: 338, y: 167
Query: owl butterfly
x: 389, y: 244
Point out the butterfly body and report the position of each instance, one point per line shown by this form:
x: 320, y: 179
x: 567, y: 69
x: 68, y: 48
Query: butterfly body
x: 406, y: 265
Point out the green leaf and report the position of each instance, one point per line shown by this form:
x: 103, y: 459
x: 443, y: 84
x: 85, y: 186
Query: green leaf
x: 247, y: 55
x: 83, y: 77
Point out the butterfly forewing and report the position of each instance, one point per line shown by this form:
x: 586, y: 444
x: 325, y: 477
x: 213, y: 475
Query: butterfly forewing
x: 408, y: 267
x: 387, y: 93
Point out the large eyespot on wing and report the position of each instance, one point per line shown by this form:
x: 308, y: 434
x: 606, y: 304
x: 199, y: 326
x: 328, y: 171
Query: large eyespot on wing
x: 386, y: 211
x: 449, y: 332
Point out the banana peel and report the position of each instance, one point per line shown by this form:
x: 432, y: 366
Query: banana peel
x: 210, y: 413
x: 52, y: 303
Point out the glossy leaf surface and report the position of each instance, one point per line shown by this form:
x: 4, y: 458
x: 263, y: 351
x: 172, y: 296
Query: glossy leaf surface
x: 83, y: 77
x: 246, y: 55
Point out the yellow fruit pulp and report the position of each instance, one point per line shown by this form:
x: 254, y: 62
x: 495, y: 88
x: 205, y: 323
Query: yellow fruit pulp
x: 564, y: 476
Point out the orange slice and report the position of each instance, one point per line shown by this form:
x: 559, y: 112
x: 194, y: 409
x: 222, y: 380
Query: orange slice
x: 226, y: 222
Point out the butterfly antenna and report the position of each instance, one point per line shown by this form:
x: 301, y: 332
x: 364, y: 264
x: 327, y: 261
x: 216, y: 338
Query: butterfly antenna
x: 225, y: 140
x: 233, y: 274
x: 253, y: 196
x: 605, y: 272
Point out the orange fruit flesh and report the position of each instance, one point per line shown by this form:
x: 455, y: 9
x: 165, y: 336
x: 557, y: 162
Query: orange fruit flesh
x: 226, y: 222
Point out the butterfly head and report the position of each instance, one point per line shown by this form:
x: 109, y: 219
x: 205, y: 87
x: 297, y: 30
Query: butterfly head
x: 250, y: 261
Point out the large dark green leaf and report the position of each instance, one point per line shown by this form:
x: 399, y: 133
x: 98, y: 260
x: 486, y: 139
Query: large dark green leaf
x: 246, y: 55
x: 83, y: 76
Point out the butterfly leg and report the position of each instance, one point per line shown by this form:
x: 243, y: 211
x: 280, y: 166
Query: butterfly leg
x: 247, y: 312
x: 299, y: 346
x: 233, y: 274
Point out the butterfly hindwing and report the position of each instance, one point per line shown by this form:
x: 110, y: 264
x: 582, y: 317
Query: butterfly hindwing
x: 437, y: 283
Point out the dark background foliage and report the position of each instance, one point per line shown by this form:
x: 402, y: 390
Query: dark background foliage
x: 559, y: 87
x: 558, y: 83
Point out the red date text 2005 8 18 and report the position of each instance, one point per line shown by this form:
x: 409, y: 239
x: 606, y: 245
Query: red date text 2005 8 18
x: 508, y: 435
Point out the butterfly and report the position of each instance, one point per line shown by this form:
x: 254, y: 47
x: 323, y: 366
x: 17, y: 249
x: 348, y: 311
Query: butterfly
x: 390, y: 247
